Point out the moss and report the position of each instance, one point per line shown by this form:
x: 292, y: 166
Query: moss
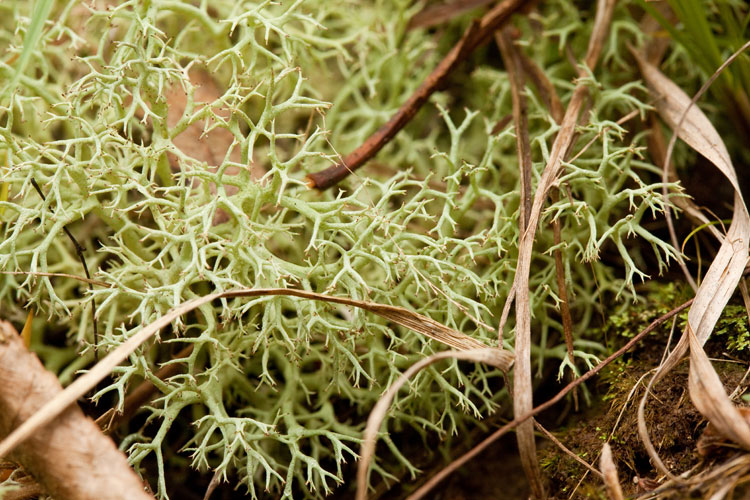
x: 673, y: 422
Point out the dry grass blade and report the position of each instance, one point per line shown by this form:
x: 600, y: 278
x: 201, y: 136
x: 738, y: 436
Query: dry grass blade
x: 609, y: 473
x: 377, y: 415
x: 722, y: 277
x: 522, y: 392
x: 421, y: 324
x: 512, y: 62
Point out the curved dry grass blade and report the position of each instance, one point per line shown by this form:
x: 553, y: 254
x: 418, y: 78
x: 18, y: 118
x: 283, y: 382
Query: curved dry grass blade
x: 522, y: 391
x: 609, y: 473
x: 677, y: 110
x: 706, y: 390
x: 421, y: 324
x: 448, y: 470
x: 377, y: 415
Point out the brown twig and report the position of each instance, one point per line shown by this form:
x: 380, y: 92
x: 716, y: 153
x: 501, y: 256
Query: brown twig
x: 436, y: 479
x: 79, y: 251
x: 565, y: 449
x: 562, y: 289
x: 71, y: 459
x: 476, y: 34
x: 439, y: 14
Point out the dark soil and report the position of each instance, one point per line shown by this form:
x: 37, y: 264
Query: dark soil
x: 674, y: 424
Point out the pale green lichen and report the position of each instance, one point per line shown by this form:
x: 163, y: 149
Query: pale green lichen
x: 431, y: 225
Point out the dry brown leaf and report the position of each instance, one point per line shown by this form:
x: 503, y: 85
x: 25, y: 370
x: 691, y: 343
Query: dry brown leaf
x: 202, y: 140
x: 377, y: 415
x: 414, y: 321
x: 712, y: 440
x: 722, y: 277
x: 71, y: 459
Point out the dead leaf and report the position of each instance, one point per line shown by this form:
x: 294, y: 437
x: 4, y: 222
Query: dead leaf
x: 71, y: 459
x: 202, y: 140
x: 722, y: 277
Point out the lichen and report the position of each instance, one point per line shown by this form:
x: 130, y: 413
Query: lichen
x: 432, y: 225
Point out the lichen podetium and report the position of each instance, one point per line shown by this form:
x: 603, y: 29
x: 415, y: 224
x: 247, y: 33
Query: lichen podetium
x: 277, y: 389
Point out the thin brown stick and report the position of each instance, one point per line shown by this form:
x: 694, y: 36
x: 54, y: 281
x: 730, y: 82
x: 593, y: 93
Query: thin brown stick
x: 476, y: 34
x: 79, y: 250
x: 437, y: 478
x: 439, y: 14
x: 59, y: 275
x: 565, y: 449
x: 72, y: 459
x: 562, y: 289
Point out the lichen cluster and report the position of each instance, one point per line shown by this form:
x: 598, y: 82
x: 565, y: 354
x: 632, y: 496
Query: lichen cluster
x: 277, y: 389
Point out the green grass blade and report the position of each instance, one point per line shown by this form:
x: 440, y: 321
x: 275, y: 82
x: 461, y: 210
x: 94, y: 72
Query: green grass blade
x: 39, y: 16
